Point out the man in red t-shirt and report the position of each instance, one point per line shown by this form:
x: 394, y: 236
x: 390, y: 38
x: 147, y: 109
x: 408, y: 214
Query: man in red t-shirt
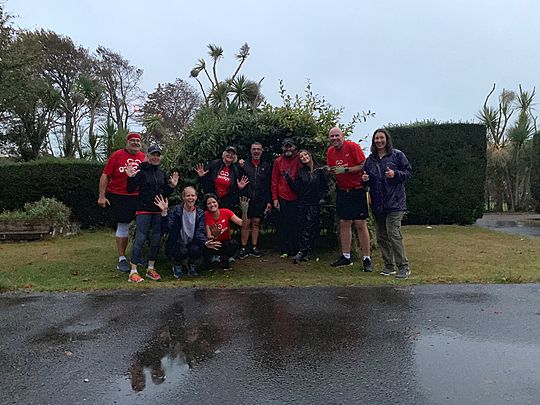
x: 346, y: 160
x: 113, y: 192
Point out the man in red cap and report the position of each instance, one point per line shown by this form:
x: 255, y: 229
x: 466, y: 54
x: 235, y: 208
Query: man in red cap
x: 113, y: 192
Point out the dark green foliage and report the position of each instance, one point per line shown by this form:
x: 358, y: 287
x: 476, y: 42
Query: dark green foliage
x: 535, y: 171
x: 449, y: 172
x: 73, y: 182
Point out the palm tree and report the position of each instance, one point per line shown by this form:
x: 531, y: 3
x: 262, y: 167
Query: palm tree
x: 229, y: 94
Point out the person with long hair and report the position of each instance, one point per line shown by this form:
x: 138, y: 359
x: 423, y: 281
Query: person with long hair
x: 386, y: 171
x: 218, y: 228
x: 311, y: 187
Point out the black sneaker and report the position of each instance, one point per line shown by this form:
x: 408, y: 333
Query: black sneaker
x: 298, y: 258
x: 388, y: 272
x: 367, y: 265
x: 226, y: 264
x: 243, y: 253
x: 192, y: 271
x: 255, y: 252
x: 404, y: 272
x: 123, y: 266
x: 342, y: 261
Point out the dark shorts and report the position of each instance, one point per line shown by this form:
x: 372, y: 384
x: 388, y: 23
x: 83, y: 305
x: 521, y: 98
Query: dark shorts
x: 352, y: 204
x: 256, y: 209
x: 123, y: 207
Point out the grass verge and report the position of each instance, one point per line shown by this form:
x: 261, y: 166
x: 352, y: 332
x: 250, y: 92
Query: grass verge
x: 443, y: 254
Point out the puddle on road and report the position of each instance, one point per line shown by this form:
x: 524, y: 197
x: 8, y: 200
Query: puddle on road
x: 526, y: 227
x: 452, y: 368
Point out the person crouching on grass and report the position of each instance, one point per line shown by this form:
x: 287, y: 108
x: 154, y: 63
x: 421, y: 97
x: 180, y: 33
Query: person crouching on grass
x: 187, y: 235
x: 218, y: 228
x: 151, y: 181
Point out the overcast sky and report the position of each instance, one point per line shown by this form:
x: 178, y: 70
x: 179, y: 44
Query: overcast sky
x: 404, y: 60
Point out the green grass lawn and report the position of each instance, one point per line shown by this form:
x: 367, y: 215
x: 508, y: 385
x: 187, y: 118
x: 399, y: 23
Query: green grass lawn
x: 443, y: 254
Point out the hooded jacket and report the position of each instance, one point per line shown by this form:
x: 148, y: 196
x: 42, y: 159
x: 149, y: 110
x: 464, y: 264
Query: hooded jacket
x: 150, y: 181
x: 388, y: 195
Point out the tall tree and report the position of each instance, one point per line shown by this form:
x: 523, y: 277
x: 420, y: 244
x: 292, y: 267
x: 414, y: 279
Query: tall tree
x: 121, y: 81
x: 28, y: 98
x: 509, y: 147
x: 63, y: 63
x: 175, y: 104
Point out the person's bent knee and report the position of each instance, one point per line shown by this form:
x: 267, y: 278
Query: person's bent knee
x: 122, y: 230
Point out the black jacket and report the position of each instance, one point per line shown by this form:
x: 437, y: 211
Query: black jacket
x: 150, y: 181
x: 208, y: 181
x: 311, y: 189
x: 258, y: 188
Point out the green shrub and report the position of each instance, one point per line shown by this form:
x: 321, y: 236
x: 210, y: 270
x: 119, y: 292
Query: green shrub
x: 449, y: 171
x: 45, y: 209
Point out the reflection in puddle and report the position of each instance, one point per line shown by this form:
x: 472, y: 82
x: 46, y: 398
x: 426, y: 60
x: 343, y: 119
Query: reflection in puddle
x: 452, y: 368
x: 174, y: 349
x: 527, y: 227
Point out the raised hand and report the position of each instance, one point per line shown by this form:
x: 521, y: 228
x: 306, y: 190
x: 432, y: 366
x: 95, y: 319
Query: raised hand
x: 241, y: 162
x: 244, y: 205
x: 173, y: 180
x: 215, y: 231
x: 162, y: 203
x: 200, y: 170
x: 131, y: 170
x: 242, y: 182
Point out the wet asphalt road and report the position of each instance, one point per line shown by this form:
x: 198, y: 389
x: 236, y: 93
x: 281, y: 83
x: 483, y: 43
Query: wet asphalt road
x: 466, y: 344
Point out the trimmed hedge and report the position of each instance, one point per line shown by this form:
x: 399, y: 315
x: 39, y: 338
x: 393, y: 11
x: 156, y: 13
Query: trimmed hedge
x: 449, y: 171
x: 73, y: 182
x: 535, y: 171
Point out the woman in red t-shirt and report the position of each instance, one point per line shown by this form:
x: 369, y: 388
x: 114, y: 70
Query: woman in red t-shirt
x: 218, y: 228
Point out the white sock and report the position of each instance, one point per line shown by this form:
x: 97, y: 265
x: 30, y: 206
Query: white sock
x: 120, y: 258
x: 367, y: 257
x: 347, y: 255
x: 132, y: 272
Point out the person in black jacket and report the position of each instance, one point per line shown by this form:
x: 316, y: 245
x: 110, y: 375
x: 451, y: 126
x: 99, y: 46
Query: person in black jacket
x: 151, y: 181
x: 222, y: 178
x: 257, y: 190
x: 311, y: 187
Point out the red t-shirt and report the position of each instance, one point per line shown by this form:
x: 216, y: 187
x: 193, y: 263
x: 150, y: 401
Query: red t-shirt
x: 349, y: 155
x: 115, y: 170
x: 223, y: 181
x: 223, y: 222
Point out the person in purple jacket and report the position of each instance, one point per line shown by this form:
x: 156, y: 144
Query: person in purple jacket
x: 386, y: 171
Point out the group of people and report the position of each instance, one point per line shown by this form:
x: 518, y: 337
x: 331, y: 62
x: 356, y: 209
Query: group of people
x: 295, y: 186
